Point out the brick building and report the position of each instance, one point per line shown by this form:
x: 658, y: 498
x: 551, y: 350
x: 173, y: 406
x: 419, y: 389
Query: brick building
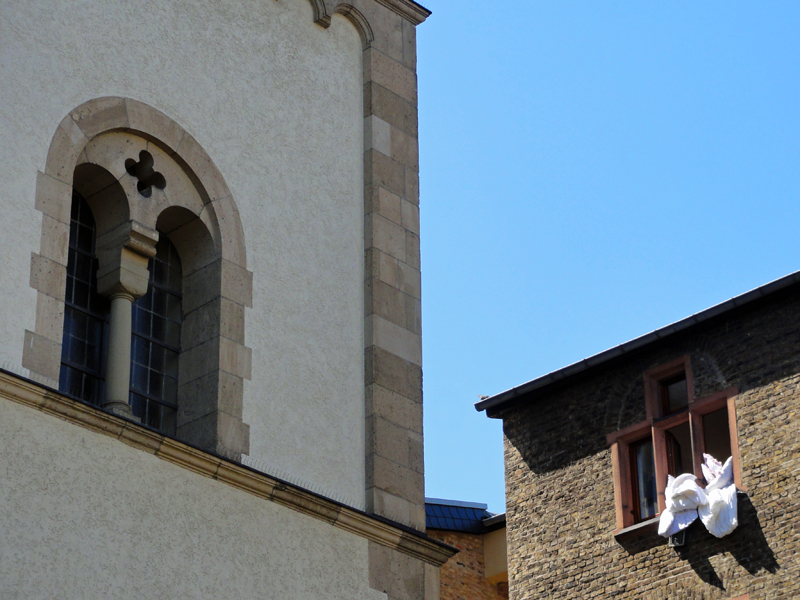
x: 479, y: 571
x: 588, y: 449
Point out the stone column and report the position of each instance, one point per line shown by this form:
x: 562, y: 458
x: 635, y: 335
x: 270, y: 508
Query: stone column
x: 394, y: 456
x: 122, y: 275
x: 392, y: 293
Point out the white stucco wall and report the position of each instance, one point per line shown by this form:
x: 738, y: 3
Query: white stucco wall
x: 85, y: 516
x: 275, y: 101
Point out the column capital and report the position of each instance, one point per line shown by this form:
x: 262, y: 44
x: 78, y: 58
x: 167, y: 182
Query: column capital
x: 123, y: 254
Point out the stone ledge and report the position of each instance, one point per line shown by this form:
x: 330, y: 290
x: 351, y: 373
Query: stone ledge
x: 408, y: 9
x: 376, y: 529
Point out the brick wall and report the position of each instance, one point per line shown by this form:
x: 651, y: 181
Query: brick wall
x: 560, y: 492
x: 463, y: 576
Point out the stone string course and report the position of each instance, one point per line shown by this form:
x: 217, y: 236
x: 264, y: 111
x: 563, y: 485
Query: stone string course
x: 560, y: 492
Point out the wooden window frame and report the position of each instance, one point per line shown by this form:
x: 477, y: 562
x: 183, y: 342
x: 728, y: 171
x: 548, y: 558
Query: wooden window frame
x: 655, y: 426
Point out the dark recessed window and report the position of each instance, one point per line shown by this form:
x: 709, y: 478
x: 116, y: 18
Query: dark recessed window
x: 674, y: 394
x: 85, y: 314
x: 155, y: 343
x: 644, y: 480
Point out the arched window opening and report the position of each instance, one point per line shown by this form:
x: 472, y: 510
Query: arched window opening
x: 85, y: 313
x: 155, y: 343
x: 114, y: 234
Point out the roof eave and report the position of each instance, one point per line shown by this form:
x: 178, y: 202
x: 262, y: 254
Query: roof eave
x: 492, y: 404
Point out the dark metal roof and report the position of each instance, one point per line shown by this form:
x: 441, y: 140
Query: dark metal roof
x: 514, y: 393
x: 454, y: 515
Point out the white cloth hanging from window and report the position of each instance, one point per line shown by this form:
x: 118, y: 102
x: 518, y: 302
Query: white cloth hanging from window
x: 716, y: 505
x: 719, y: 515
x: 683, y: 497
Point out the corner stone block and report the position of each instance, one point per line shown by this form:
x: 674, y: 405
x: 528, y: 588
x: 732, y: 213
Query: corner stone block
x: 382, y: 171
x: 410, y: 216
x: 237, y: 283
x: 412, y: 185
x: 201, y: 432
x: 409, y: 280
x: 385, y: 301
x: 405, y: 149
x: 388, y: 440
x: 384, y: 203
x: 371, y: 264
x: 395, y: 479
x: 400, y: 576
x: 232, y: 320
x: 201, y: 324
x: 395, y: 408
x: 389, y: 506
x: 409, y: 45
x: 416, y: 452
x: 391, y: 108
x: 201, y: 286
x: 41, y: 356
x: 388, y: 270
x: 48, y: 276
x: 391, y: 74
x: 385, y: 235
x: 412, y: 250
x: 53, y: 197
x: 377, y: 135
x: 393, y: 373
x: 387, y: 27
x: 198, y: 361
x: 432, y: 585
x: 234, y: 358
x: 54, y: 243
x: 232, y: 435
x: 394, y: 338
x: 49, y: 317
x: 215, y: 391
x: 413, y: 315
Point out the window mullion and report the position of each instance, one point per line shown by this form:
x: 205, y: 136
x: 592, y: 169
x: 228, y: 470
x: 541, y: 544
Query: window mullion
x: 698, y: 443
x: 662, y: 465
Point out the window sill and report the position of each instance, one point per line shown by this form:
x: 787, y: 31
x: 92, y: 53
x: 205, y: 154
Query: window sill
x: 645, y: 527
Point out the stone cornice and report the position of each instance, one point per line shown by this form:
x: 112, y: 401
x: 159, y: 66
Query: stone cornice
x: 376, y: 529
x: 408, y: 9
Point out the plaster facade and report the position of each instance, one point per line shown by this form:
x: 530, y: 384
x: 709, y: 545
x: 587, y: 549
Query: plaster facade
x: 98, y: 519
x: 287, y: 134
x: 276, y: 101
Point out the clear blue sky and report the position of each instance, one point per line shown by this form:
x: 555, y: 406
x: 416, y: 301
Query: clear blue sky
x: 590, y: 172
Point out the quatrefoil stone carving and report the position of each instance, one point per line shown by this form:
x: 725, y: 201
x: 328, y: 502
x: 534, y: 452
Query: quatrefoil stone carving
x: 144, y: 172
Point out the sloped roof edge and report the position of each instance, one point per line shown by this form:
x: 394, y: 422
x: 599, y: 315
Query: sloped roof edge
x: 496, y: 401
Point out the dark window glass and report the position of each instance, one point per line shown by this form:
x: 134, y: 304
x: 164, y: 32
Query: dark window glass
x: 674, y: 394
x: 644, y: 467
x: 679, y: 449
x: 717, y: 434
x: 156, y: 340
x: 86, y: 312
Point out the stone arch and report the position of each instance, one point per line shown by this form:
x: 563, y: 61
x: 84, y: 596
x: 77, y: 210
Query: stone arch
x: 94, y: 147
x: 322, y: 17
x: 360, y: 22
